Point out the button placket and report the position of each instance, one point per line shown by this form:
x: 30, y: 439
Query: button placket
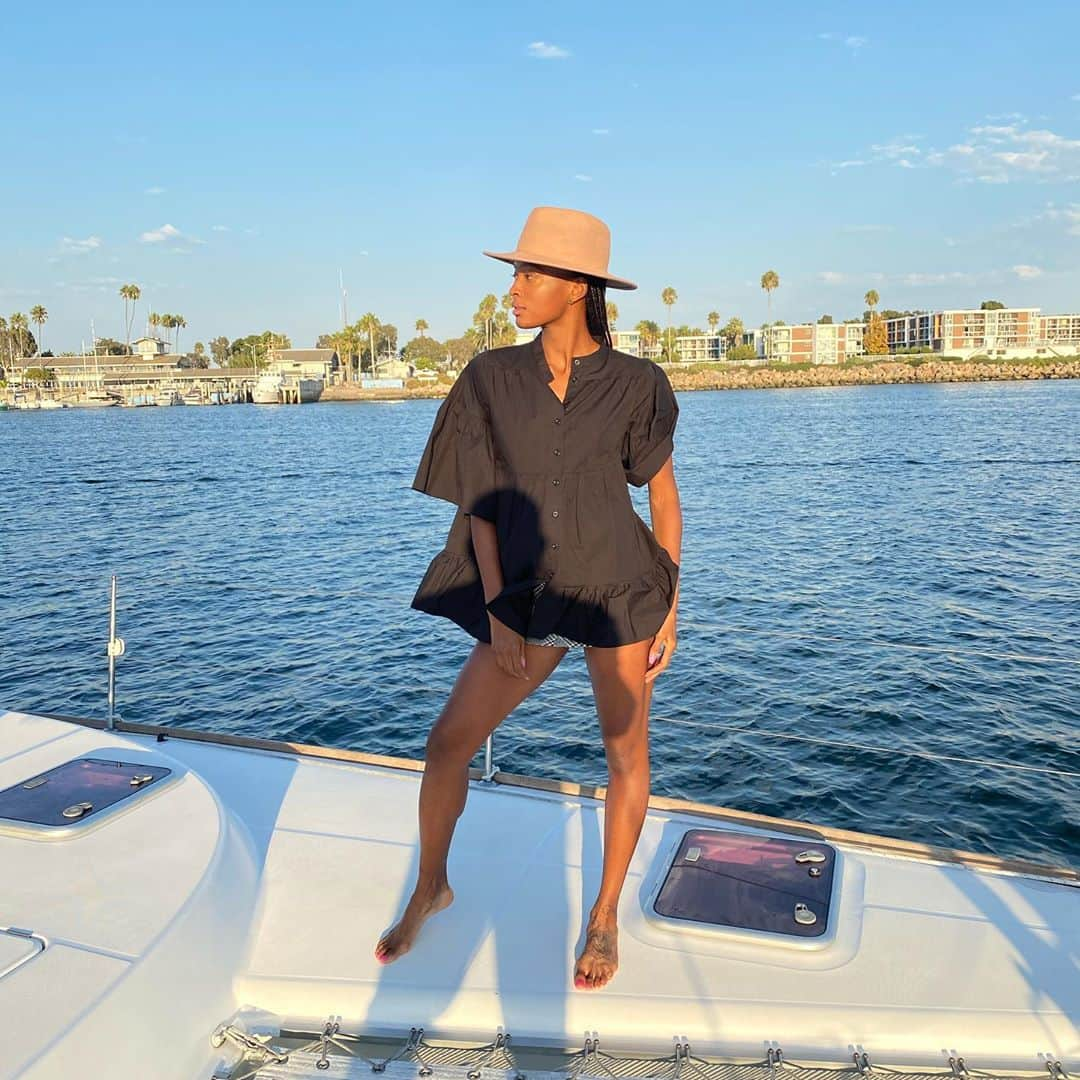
x: 556, y: 480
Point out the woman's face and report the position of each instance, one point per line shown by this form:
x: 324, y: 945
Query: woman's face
x: 542, y: 294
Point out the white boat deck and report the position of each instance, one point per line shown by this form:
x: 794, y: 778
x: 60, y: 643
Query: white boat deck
x: 265, y: 879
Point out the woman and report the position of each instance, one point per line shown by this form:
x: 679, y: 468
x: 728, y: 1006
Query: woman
x: 535, y: 444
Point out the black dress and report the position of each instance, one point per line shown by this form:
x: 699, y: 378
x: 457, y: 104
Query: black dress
x: 552, y: 477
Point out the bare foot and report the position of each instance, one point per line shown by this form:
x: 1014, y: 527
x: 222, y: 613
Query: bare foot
x: 600, y: 957
x: 399, y: 939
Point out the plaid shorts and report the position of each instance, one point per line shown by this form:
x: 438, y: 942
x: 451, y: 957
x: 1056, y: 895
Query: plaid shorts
x: 553, y: 639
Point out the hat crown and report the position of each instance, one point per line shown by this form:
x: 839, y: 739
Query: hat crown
x: 567, y: 238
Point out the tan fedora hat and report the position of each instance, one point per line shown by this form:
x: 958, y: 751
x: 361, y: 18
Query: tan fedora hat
x: 566, y: 240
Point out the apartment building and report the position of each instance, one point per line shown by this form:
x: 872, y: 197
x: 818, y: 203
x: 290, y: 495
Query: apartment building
x: 700, y: 348
x: 813, y: 343
x: 1060, y: 330
x: 960, y: 330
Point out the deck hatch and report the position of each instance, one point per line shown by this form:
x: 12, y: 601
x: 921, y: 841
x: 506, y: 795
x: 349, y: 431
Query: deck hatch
x: 749, y: 882
x: 76, y: 791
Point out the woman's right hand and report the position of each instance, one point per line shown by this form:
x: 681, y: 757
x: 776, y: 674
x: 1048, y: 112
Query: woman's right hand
x: 509, y: 648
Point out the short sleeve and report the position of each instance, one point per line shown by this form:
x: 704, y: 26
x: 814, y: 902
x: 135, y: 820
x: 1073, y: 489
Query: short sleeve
x: 649, y: 439
x: 458, y: 462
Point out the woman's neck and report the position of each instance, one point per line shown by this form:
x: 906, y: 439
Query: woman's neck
x: 566, y: 337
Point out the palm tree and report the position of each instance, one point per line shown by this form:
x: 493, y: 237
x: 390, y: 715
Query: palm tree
x: 487, y: 313
x: 4, y: 334
x: 714, y: 320
x: 648, y: 333
x: 612, y: 316
x: 669, y: 296
x: 19, y: 325
x: 421, y: 326
x: 733, y: 331
x: 178, y: 322
x: 369, y: 324
x: 770, y: 280
x: 871, y: 299
x: 153, y: 320
x: 130, y: 293
x: 39, y: 315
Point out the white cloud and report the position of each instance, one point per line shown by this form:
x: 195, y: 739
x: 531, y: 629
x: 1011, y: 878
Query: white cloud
x: 601, y: 131
x: 155, y: 191
x: 832, y: 277
x: 853, y: 41
x: 219, y: 228
x: 1001, y: 153
x: 583, y: 178
x: 853, y: 163
x: 80, y: 247
x: 167, y: 234
x: 543, y: 50
x: 1024, y: 271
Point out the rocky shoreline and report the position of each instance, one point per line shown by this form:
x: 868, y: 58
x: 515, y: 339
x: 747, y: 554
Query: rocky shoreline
x: 766, y: 378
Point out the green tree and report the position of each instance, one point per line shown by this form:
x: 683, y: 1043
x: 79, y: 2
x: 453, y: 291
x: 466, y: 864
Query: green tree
x: 368, y: 326
x: 484, y: 318
x: 741, y: 353
x: 713, y: 319
x: 825, y: 320
x: 871, y: 299
x: 219, y: 350
x: 424, y: 352
x: 649, y: 334
x: 669, y: 296
x: 733, y: 332
x: 421, y: 327
x: 770, y: 280
x: 19, y: 327
x: 39, y: 316
x: 130, y: 294
x: 612, y: 316
x: 991, y: 305
x: 179, y: 323
x: 198, y: 355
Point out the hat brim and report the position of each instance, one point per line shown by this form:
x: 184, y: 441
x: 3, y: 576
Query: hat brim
x: 524, y: 256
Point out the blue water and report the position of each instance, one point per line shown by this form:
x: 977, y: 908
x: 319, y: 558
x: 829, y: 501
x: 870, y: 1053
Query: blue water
x: 889, y: 566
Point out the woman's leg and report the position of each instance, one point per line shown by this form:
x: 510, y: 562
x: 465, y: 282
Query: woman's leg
x: 482, y: 697
x: 622, y: 703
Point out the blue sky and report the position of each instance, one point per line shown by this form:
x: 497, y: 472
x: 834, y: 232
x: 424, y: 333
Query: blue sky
x: 230, y: 160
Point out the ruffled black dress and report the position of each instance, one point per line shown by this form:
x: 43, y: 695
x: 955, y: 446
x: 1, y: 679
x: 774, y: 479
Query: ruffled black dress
x: 552, y: 476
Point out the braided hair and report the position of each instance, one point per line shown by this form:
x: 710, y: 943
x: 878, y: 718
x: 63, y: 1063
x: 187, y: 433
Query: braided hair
x: 596, y: 319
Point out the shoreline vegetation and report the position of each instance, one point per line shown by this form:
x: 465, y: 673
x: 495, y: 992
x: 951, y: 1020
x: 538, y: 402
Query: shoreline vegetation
x: 887, y: 371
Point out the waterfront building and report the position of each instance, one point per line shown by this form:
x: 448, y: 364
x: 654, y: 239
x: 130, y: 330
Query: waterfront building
x: 999, y: 332
x: 812, y: 343
x: 303, y: 363
x: 627, y: 341
x: 700, y: 348
x: 150, y: 346
x: 1062, y: 330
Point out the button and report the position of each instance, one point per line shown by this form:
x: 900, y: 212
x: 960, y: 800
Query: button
x: 554, y: 513
x: 573, y: 378
x: 558, y: 419
x: 556, y: 481
x: 556, y: 451
x: 554, y: 547
x: 577, y: 360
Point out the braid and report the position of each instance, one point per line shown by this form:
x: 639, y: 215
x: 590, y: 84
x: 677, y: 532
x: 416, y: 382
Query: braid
x: 596, y: 319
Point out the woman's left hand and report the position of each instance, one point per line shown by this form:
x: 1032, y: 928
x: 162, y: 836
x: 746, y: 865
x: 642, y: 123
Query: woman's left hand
x: 661, y: 650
